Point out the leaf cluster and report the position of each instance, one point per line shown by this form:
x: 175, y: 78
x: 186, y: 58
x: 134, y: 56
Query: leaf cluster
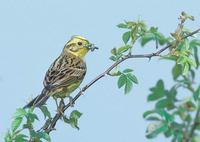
x: 173, y: 114
x: 24, y: 121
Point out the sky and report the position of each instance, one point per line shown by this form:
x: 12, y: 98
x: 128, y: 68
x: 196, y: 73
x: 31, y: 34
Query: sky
x: 32, y: 35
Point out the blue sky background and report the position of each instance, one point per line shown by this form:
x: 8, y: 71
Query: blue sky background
x: 32, y: 35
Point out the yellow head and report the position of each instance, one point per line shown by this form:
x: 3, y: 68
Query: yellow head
x: 78, y: 46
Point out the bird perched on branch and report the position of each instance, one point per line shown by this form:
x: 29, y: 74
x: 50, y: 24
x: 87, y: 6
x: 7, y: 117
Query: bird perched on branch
x: 66, y: 73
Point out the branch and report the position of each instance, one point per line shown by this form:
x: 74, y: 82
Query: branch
x: 106, y: 72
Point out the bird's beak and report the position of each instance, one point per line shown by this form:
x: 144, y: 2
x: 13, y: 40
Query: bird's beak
x: 91, y: 47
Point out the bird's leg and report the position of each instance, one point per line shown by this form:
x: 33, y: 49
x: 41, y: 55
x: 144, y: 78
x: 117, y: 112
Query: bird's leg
x: 61, y: 106
x: 71, y: 101
x: 62, y: 102
x: 56, y: 100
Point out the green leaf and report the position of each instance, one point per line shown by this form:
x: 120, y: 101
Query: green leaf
x: 164, y: 103
x: 44, y: 136
x: 196, y: 94
x: 132, y: 77
x: 171, y: 96
x: 192, y: 72
x: 74, y: 123
x: 161, y: 38
x: 113, y: 58
x: 182, y: 113
x: 191, y: 62
x: 21, y: 138
x: 176, y: 71
x: 65, y: 119
x: 127, y: 70
x: 157, y: 92
x: 156, y: 128
x: 196, y: 57
x: 130, y: 24
x: 16, y: 123
x: 149, y: 112
x: 169, y: 57
x: 168, y: 117
x: 147, y: 38
x: 153, y: 118
x: 182, y: 60
x: 194, y: 43
x: 186, y: 16
x: 121, y: 81
x: 8, y: 137
x: 160, y: 112
x: 28, y: 126
x: 123, y: 49
x: 198, y: 126
x: 20, y: 112
x: 153, y: 30
x: 75, y: 114
x: 128, y: 86
x: 168, y: 133
x: 178, y: 126
x: 184, y: 45
x: 45, y: 111
x: 126, y: 36
x: 122, y: 25
x: 178, y: 136
x: 154, y: 35
x: 186, y: 69
x: 30, y: 110
x: 32, y: 117
x: 114, y: 51
x: 33, y: 133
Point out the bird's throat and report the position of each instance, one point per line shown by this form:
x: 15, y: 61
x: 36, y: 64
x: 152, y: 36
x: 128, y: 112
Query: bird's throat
x: 80, y: 53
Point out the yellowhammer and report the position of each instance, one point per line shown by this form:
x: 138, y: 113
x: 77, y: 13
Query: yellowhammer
x: 66, y: 73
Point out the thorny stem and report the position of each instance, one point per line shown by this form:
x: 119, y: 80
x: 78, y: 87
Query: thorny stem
x: 106, y: 72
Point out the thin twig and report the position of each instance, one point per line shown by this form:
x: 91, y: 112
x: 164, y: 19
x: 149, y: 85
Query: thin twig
x: 107, y: 71
x: 194, y: 125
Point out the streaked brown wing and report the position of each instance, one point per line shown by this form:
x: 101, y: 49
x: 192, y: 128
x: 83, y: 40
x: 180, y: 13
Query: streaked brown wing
x: 65, y: 70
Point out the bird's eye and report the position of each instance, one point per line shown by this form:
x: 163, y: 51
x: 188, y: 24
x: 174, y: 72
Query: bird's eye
x: 80, y: 43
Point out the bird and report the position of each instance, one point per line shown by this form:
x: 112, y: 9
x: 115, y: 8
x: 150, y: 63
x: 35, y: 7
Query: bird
x: 66, y: 73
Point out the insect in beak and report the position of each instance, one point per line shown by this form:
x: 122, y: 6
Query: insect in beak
x: 91, y: 47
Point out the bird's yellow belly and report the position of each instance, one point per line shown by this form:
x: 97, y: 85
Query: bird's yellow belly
x: 64, y: 91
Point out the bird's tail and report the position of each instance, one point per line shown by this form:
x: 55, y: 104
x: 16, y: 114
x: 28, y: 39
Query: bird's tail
x: 39, y: 100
